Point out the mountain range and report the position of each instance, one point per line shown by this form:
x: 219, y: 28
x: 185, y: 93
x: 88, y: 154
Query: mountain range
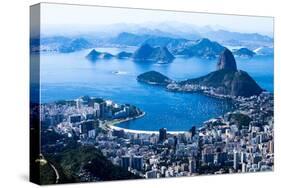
x: 171, y: 35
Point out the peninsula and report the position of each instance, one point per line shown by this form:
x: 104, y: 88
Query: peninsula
x: 226, y: 82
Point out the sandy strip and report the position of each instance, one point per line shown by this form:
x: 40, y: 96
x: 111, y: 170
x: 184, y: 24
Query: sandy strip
x: 112, y: 125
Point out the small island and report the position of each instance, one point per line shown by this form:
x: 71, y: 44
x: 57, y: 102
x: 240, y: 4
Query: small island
x: 154, y: 78
x: 95, y: 55
x: 144, y: 53
x: 244, y: 52
x: 154, y: 54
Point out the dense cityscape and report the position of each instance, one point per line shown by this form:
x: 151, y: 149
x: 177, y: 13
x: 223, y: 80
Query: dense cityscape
x: 143, y: 94
x: 239, y: 141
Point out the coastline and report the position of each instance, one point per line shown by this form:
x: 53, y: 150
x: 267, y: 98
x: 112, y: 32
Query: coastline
x: 113, y: 126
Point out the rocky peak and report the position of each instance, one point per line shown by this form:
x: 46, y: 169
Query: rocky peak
x: 227, y: 61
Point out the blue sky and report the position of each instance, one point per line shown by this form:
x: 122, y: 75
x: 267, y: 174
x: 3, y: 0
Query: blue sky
x: 58, y: 16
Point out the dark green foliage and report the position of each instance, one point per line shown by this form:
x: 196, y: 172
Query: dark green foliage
x: 48, y: 136
x: 228, y: 82
x: 154, y: 77
x: 47, y: 174
x: 239, y: 119
x: 100, y: 167
x: 74, y: 160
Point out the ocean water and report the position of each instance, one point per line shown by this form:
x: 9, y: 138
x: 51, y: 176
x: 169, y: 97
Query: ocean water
x: 71, y: 75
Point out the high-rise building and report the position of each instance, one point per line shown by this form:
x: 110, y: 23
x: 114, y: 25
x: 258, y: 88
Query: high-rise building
x: 79, y: 103
x: 244, y: 167
x: 125, y: 161
x: 235, y: 160
x: 221, y: 157
x: 137, y: 162
x: 243, y: 157
x: 162, y: 134
x: 75, y: 118
x: 208, y: 158
x: 175, y: 141
x: 192, y: 166
x: 100, y: 106
x: 86, y: 126
x: 271, y: 146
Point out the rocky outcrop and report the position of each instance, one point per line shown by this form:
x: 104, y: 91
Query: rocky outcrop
x: 156, y: 54
x: 227, y: 80
x: 94, y: 55
x: 227, y: 61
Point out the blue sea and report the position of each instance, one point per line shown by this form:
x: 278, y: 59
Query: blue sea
x: 71, y: 75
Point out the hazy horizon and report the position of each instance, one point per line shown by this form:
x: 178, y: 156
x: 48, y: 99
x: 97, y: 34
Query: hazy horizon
x: 78, y: 19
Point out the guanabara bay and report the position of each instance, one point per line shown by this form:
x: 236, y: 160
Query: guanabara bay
x: 118, y: 94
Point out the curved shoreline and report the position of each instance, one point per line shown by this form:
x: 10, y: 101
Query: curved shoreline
x: 112, y: 126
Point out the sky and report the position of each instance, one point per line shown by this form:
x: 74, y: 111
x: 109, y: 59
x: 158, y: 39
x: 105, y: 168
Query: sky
x: 71, y: 17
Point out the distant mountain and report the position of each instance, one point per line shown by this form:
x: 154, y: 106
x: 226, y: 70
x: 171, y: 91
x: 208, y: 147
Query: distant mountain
x: 170, y: 43
x: 129, y: 39
x: 192, y: 32
x: 95, y: 55
x: 244, y: 52
x: 48, y: 43
x: 264, y: 51
x: 225, y: 36
x: 203, y: 48
x: 155, y: 78
x: 59, y: 44
x: 75, y: 45
x: 54, y: 40
x: 149, y: 53
x: 124, y: 55
x: 227, y: 80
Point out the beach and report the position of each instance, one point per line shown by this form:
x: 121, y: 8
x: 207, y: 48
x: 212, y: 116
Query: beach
x: 113, y: 125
